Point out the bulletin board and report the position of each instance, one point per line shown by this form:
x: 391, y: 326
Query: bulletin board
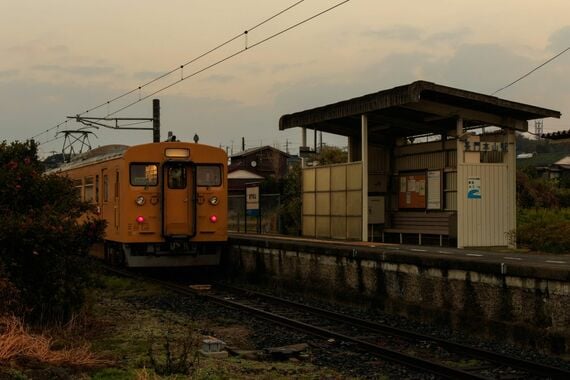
x: 412, y: 191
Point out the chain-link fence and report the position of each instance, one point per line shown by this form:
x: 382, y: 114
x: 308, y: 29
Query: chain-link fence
x: 267, y: 222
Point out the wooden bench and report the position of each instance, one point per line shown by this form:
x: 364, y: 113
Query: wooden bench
x: 422, y: 223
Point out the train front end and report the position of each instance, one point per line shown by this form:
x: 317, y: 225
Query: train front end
x: 174, y: 206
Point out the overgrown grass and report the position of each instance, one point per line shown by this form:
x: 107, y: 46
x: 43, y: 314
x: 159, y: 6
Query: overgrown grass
x: 17, y: 343
x: 546, y: 230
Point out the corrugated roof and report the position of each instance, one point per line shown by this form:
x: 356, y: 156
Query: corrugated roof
x: 416, y: 108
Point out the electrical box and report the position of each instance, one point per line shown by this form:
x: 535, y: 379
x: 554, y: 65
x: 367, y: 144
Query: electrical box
x: 376, y: 207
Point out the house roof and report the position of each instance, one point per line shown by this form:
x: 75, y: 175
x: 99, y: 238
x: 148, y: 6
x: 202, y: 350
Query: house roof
x: 258, y: 149
x: 417, y: 108
x: 542, y: 159
x: 559, y: 135
x: 243, y: 174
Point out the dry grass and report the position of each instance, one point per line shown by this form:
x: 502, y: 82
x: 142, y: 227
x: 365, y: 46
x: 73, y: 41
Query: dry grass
x: 16, y: 342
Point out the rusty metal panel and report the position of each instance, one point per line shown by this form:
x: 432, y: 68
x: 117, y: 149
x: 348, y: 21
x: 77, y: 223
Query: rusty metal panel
x: 338, y: 203
x: 323, y: 203
x: 323, y: 227
x: 451, y: 201
x: 338, y: 177
x: 323, y: 178
x: 354, y: 228
x: 354, y: 203
x: 378, y: 159
x: 338, y: 227
x: 354, y: 176
x: 309, y: 179
x: 451, y: 159
x: 430, y: 161
x: 309, y: 226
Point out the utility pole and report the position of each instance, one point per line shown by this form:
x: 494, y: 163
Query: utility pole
x: 102, y: 121
x: 155, y: 120
x: 242, y: 144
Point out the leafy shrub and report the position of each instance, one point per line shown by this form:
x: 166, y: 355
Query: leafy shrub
x: 42, y: 245
x: 544, y: 230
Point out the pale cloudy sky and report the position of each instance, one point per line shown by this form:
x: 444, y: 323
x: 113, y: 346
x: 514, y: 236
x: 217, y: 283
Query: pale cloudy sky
x: 61, y: 57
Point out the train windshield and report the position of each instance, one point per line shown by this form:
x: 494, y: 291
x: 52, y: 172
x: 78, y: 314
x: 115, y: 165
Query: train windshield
x: 177, y: 177
x: 208, y: 175
x: 144, y: 174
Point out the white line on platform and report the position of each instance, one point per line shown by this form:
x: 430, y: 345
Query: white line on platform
x: 512, y: 258
x: 473, y: 254
x: 556, y: 262
x: 446, y: 252
x: 419, y: 250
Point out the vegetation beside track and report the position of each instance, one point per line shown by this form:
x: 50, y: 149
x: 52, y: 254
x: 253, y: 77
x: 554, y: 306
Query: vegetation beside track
x: 138, y: 331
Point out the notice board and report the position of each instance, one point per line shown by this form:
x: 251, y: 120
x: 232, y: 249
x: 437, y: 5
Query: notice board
x: 412, y: 191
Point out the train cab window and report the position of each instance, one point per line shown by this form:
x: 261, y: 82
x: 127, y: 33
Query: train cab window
x: 88, y: 190
x: 144, y: 174
x: 176, y: 177
x: 208, y: 175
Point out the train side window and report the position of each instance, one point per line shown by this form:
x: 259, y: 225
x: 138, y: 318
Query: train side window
x: 116, y: 184
x: 105, y: 188
x: 177, y: 177
x: 96, y: 189
x: 78, y: 184
x: 144, y: 174
x: 88, y: 189
x: 208, y: 175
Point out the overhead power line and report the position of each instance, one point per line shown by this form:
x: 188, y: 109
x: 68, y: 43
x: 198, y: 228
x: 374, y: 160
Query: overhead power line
x: 181, y: 67
x: 532, y: 71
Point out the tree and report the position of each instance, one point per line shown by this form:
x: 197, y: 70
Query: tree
x: 331, y: 155
x: 43, y: 246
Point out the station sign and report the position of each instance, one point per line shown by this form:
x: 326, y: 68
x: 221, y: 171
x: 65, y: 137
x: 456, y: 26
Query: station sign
x: 252, y: 199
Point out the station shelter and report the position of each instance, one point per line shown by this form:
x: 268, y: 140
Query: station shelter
x: 426, y: 163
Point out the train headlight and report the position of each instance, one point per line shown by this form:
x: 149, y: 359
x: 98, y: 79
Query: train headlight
x: 140, y: 200
x: 214, y: 200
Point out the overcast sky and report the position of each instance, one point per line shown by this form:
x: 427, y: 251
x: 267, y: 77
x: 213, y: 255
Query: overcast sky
x: 62, y: 57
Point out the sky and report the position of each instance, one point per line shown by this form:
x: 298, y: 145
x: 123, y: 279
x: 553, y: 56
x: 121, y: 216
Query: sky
x: 63, y: 57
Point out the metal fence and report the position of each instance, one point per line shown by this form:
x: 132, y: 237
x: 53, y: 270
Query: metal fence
x: 267, y: 222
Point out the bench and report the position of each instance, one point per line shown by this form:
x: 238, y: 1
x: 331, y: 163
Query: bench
x: 422, y: 223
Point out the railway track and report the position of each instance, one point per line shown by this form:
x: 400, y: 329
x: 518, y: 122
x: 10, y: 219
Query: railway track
x: 424, y: 354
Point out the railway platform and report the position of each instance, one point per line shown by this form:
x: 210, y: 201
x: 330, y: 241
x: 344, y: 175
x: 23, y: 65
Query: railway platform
x: 520, y: 297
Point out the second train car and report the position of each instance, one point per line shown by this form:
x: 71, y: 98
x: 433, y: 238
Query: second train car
x: 165, y: 203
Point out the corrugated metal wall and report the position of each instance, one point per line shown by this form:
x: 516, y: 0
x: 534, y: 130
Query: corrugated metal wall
x: 332, y: 201
x: 487, y: 221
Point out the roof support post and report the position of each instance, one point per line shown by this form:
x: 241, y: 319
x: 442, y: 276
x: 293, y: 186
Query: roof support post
x: 364, y: 160
x: 304, y: 137
x: 459, y: 186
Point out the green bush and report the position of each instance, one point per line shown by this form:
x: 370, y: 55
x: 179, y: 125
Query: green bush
x: 546, y: 230
x: 43, y: 247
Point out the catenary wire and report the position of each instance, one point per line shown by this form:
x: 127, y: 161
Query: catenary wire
x: 230, y: 56
x: 532, y: 71
x: 177, y: 68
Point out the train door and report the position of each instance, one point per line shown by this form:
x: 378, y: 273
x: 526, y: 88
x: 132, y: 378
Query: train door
x: 106, y: 211
x: 178, y: 211
x: 117, y: 200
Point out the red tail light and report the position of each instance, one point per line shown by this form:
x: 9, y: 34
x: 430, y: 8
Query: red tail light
x: 213, y: 218
x: 140, y: 219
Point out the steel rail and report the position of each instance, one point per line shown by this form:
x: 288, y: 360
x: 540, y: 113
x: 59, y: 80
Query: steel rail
x: 532, y: 367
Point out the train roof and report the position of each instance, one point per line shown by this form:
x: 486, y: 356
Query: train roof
x: 104, y: 153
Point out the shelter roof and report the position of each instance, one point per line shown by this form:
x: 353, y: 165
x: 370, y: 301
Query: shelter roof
x: 417, y: 108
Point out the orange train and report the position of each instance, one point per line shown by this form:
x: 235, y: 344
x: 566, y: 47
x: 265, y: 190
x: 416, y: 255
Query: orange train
x: 165, y: 203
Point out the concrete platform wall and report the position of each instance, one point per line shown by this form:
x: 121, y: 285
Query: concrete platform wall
x: 523, y: 305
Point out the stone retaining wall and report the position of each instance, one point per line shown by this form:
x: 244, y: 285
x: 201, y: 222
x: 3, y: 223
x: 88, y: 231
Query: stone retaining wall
x: 524, y: 305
